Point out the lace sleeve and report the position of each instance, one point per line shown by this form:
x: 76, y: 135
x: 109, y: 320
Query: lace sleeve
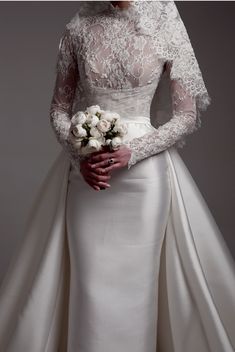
x: 67, y: 76
x: 182, y: 122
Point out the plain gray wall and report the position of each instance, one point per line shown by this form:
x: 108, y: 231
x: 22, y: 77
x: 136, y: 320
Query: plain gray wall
x: 30, y: 33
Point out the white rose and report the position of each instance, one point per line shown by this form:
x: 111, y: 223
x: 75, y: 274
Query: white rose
x: 94, y: 120
x: 110, y: 116
x: 79, y: 118
x: 121, y: 128
x: 103, y: 125
x: 108, y: 141
x: 94, y: 144
x: 88, y: 118
x: 116, y: 142
x: 93, y: 109
x: 94, y: 132
x: 78, y: 131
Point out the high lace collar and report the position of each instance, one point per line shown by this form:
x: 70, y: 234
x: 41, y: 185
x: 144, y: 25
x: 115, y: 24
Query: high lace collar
x: 122, y: 12
x: 131, y: 3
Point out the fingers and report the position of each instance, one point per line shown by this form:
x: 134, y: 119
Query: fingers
x: 97, y: 184
x: 87, y: 167
x: 85, y: 164
x: 91, y: 183
x: 94, y: 180
x: 98, y: 175
x: 101, y: 161
x: 101, y: 171
x: 95, y: 187
x: 101, y: 157
x: 101, y: 164
x: 96, y: 170
x: 99, y: 178
x: 113, y: 167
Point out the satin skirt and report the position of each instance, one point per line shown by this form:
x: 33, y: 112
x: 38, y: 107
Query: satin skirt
x: 112, y: 292
x: 115, y: 238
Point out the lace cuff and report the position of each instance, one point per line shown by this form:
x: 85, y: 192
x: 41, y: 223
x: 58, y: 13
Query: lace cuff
x: 164, y: 137
x: 60, y: 123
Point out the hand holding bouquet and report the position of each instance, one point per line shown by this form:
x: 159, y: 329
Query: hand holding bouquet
x: 97, y: 138
x: 94, y: 128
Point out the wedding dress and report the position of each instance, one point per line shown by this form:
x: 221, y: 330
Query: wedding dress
x: 141, y: 266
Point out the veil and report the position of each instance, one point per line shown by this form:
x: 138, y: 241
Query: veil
x: 161, y: 20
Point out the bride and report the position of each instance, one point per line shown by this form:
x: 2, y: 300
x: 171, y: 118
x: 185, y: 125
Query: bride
x: 121, y: 252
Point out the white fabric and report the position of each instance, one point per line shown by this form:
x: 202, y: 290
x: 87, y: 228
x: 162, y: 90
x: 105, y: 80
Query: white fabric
x: 115, y: 239
x: 119, y: 59
x: 196, y: 283
x: 86, y: 275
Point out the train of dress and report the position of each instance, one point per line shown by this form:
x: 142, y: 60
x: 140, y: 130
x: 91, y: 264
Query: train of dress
x: 196, y: 281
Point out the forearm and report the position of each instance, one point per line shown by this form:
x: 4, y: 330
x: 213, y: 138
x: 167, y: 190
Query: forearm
x: 165, y: 136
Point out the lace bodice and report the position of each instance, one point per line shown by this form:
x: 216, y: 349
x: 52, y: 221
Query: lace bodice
x: 103, y: 59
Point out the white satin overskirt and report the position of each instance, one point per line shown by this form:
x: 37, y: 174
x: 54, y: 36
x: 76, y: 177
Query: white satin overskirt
x: 196, y: 283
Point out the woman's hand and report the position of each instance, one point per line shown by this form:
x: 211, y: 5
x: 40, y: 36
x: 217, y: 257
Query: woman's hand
x: 100, y: 160
x: 97, y: 180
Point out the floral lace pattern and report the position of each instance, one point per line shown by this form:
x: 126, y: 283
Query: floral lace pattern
x: 116, y: 57
x: 183, y: 122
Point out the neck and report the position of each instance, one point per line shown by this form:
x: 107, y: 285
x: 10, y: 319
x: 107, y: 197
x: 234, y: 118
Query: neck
x: 121, y: 4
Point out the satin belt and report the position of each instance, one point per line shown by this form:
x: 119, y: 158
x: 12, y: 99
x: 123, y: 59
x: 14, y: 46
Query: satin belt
x: 136, y: 119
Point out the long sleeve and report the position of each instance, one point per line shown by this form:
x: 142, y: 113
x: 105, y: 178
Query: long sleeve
x: 67, y: 76
x: 182, y: 123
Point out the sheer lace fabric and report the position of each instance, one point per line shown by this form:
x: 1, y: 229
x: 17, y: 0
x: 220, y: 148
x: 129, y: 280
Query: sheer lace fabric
x: 182, y: 123
x: 67, y: 78
x: 114, y: 58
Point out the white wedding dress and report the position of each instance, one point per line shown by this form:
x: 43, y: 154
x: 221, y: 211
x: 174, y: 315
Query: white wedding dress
x: 138, y: 267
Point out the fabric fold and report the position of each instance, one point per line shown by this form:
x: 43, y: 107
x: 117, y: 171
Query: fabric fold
x: 32, y: 291
x: 199, y: 285
x: 196, y: 279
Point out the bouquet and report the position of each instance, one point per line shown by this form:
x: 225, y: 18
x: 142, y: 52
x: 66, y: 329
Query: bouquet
x: 94, y: 128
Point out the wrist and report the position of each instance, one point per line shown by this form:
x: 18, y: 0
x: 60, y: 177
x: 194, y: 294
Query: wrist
x: 132, y: 156
x: 132, y: 161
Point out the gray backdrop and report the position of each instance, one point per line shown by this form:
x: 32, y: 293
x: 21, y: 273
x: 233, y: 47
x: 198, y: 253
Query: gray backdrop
x: 30, y: 33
